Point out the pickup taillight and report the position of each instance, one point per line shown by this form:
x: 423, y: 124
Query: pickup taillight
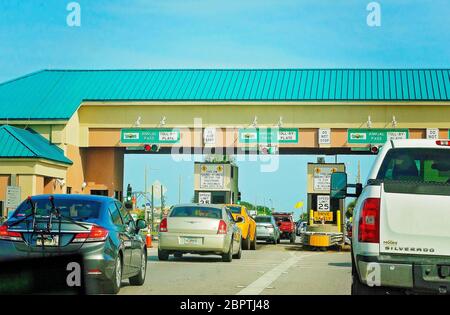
x: 369, y: 222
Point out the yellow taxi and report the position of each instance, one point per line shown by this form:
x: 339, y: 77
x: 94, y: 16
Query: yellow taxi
x: 247, y: 226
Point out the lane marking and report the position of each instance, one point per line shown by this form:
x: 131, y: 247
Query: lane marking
x: 271, y: 276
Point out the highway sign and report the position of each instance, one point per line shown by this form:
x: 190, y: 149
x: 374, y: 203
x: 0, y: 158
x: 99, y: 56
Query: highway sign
x: 268, y: 135
x: 204, y: 197
x: 324, y: 136
x: 209, y: 136
x: 433, y: 133
x: 212, y: 176
x: 12, y: 197
x: 323, y: 203
x: 375, y: 136
x: 150, y: 136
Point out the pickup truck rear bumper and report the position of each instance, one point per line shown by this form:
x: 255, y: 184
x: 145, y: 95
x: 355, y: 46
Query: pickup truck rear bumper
x: 426, y: 275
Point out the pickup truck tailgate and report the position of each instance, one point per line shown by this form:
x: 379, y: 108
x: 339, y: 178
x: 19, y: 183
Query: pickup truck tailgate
x: 414, y: 223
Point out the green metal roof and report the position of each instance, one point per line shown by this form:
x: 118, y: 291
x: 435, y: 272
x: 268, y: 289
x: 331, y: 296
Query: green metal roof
x: 57, y: 94
x: 26, y: 143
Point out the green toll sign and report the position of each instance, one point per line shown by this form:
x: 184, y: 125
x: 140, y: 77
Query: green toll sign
x: 152, y: 136
x: 375, y: 136
x: 268, y: 135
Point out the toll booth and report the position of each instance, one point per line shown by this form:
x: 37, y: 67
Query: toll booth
x: 325, y: 215
x: 216, y: 182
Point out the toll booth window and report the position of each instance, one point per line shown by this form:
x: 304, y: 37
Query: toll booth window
x: 196, y: 212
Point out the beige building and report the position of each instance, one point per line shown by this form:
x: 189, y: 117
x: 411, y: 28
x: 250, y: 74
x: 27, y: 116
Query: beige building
x: 68, y: 131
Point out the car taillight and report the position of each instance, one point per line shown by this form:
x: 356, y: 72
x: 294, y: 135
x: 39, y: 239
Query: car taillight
x: 222, y: 227
x: 369, y: 223
x: 163, y: 225
x: 7, y: 235
x: 96, y: 234
x: 445, y: 143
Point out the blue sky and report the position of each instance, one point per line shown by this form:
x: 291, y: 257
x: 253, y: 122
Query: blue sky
x: 219, y: 34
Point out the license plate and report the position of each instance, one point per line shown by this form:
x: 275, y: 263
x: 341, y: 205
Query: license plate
x: 47, y: 240
x: 191, y: 241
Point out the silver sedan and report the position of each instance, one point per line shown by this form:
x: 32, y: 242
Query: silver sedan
x: 199, y: 229
x: 267, y: 229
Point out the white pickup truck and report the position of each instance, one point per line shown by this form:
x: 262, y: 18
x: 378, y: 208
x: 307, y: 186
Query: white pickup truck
x: 401, y: 221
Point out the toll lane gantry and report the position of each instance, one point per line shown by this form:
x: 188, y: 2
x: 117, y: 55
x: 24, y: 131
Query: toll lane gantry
x: 95, y: 117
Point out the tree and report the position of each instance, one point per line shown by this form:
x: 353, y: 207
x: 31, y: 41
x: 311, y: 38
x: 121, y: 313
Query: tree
x: 350, y: 207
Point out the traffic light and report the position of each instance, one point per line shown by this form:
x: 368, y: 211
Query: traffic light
x: 239, y: 198
x: 151, y: 148
x: 128, y: 198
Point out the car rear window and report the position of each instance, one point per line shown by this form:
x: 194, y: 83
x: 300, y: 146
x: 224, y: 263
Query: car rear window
x: 80, y: 210
x: 196, y: 212
x: 283, y: 219
x: 416, y: 165
x: 263, y: 219
x: 235, y: 209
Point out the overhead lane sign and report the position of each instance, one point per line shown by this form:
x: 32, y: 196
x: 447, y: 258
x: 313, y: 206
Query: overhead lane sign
x: 156, y: 136
x: 268, y: 135
x: 375, y: 136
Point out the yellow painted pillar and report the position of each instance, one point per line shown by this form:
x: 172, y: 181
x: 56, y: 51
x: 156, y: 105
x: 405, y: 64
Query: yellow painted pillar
x: 311, y: 217
x: 338, y: 218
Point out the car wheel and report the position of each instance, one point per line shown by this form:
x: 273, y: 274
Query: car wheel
x: 163, y: 255
x: 228, y: 257
x: 253, y: 243
x: 246, y: 243
x: 113, y: 285
x: 239, y: 254
x: 139, y: 279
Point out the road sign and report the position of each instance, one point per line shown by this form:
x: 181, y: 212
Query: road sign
x: 268, y: 135
x: 433, y: 133
x: 157, y: 187
x: 209, y: 136
x: 323, y: 203
x: 212, y: 176
x: 375, y: 136
x: 151, y: 136
x: 324, y: 136
x: 204, y: 197
x: 12, y: 197
x: 325, y: 216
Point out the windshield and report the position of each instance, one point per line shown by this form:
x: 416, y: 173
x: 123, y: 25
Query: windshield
x: 79, y: 210
x: 282, y: 219
x: 196, y: 212
x: 235, y: 209
x: 263, y: 219
x: 416, y: 165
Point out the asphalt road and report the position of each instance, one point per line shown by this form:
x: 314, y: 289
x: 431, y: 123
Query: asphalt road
x: 271, y: 269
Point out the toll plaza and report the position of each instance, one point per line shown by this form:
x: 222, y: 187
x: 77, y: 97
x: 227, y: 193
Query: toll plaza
x: 216, y: 183
x: 325, y: 217
x: 67, y: 131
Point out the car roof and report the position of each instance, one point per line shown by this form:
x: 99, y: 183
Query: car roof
x: 416, y: 143
x: 198, y: 205
x: 74, y: 197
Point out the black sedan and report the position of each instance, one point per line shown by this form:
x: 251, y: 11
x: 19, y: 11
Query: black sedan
x: 99, y: 228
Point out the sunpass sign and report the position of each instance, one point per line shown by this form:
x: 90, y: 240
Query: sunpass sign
x: 268, y: 135
x: 151, y: 136
x: 375, y: 136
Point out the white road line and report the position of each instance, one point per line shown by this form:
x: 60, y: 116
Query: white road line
x: 268, y: 278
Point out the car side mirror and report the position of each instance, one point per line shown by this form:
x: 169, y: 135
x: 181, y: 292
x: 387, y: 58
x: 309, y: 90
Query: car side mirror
x: 239, y: 220
x: 140, y: 224
x: 338, y: 185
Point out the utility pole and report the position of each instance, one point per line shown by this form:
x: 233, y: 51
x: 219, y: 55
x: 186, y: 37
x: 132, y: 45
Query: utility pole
x: 145, y: 193
x: 153, y: 212
x: 358, y: 179
x: 162, y: 200
x: 179, y: 189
